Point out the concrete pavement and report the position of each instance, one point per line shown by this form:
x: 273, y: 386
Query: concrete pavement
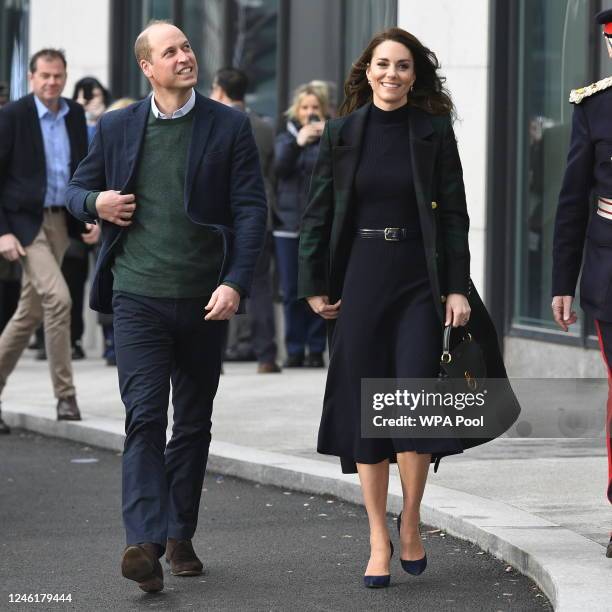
x: 263, y: 548
x: 537, y: 504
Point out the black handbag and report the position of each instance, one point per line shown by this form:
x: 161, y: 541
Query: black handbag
x: 463, y: 370
x: 465, y: 360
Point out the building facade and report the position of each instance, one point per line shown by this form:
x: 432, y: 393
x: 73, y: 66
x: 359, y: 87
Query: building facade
x: 509, y: 65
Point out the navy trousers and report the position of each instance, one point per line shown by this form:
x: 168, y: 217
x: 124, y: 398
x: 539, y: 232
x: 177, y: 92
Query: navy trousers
x: 158, y: 341
x: 303, y: 328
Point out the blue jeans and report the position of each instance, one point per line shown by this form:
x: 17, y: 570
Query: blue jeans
x: 159, y: 340
x: 303, y: 328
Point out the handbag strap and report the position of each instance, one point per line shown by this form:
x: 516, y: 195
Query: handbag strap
x: 446, y: 356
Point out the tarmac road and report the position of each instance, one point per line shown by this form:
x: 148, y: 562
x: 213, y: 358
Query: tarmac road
x: 263, y: 548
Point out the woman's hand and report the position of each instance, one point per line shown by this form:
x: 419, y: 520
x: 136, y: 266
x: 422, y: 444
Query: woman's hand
x: 457, y: 310
x: 309, y: 133
x: 321, y: 306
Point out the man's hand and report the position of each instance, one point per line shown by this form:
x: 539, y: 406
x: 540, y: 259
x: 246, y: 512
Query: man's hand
x: 116, y: 208
x: 223, y: 304
x: 563, y: 314
x: 92, y: 235
x: 10, y: 247
x: 320, y: 305
x: 457, y: 310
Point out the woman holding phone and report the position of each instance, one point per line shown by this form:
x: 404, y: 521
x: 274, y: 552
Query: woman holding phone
x: 295, y: 153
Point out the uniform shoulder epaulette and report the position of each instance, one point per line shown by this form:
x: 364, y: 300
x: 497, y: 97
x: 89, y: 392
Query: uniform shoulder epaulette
x: 578, y: 95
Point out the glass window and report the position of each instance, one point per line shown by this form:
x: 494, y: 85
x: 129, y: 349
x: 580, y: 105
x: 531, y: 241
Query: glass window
x: 157, y: 9
x: 238, y: 33
x: 361, y: 21
x: 13, y: 49
x: 129, y: 19
x: 553, y: 58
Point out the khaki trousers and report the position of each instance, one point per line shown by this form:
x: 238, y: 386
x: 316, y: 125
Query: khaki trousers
x: 44, y: 297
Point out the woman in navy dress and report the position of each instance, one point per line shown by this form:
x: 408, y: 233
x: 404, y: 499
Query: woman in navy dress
x: 384, y: 254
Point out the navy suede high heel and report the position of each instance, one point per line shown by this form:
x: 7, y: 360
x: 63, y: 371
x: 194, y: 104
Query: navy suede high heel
x: 412, y: 567
x: 378, y: 582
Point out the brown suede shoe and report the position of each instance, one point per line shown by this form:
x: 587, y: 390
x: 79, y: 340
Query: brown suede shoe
x: 68, y: 409
x: 141, y: 564
x: 609, y: 549
x: 182, y: 558
x: 268, y: 367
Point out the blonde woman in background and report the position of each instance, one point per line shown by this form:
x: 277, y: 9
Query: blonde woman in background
x: 119, y: 104
x: 296, y: 153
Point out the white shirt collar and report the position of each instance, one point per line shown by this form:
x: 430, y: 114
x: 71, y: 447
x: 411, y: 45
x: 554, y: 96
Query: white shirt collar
x: 181, y: 112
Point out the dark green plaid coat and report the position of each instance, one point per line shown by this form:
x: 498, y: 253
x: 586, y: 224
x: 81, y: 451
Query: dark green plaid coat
x: 328, y: 229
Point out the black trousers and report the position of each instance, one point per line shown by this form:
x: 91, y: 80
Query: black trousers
x: 260, y: 306
x: 158, y: 341
x: 75, y: 271
x: 9, y: 298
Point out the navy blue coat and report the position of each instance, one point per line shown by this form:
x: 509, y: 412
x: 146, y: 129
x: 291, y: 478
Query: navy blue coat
x: 588, y: 172
x: 294, y: 166
x: 224, y: 189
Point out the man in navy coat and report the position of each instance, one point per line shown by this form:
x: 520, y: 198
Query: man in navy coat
x: 175, y: 183
x: 588, y: 171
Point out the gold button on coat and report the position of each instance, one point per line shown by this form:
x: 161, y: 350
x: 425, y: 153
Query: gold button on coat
x: 434, y: 205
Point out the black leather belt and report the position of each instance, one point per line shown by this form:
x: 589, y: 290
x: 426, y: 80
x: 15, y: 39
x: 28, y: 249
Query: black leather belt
x: 390, y: 234
x: 55, y: 209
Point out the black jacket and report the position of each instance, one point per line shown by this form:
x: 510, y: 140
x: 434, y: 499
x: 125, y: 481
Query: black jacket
x: 23, y: 169
x: 294, y: 166
x: 327, y: 232
x: 588, y: 172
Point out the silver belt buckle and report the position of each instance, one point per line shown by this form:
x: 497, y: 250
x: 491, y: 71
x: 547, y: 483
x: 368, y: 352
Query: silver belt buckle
x: 392, y: 234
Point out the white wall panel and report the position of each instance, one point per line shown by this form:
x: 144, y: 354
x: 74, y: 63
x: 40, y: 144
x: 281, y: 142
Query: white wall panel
x: 457, y: 32
x: 81, y: 29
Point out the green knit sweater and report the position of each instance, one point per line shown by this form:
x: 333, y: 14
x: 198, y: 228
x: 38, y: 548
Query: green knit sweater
x: 163, y: 253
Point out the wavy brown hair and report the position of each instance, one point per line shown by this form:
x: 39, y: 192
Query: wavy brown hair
x: 428, y: 92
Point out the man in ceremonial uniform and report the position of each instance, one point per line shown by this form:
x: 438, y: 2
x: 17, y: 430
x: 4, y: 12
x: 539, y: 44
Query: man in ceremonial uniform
x: 588, y: 171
